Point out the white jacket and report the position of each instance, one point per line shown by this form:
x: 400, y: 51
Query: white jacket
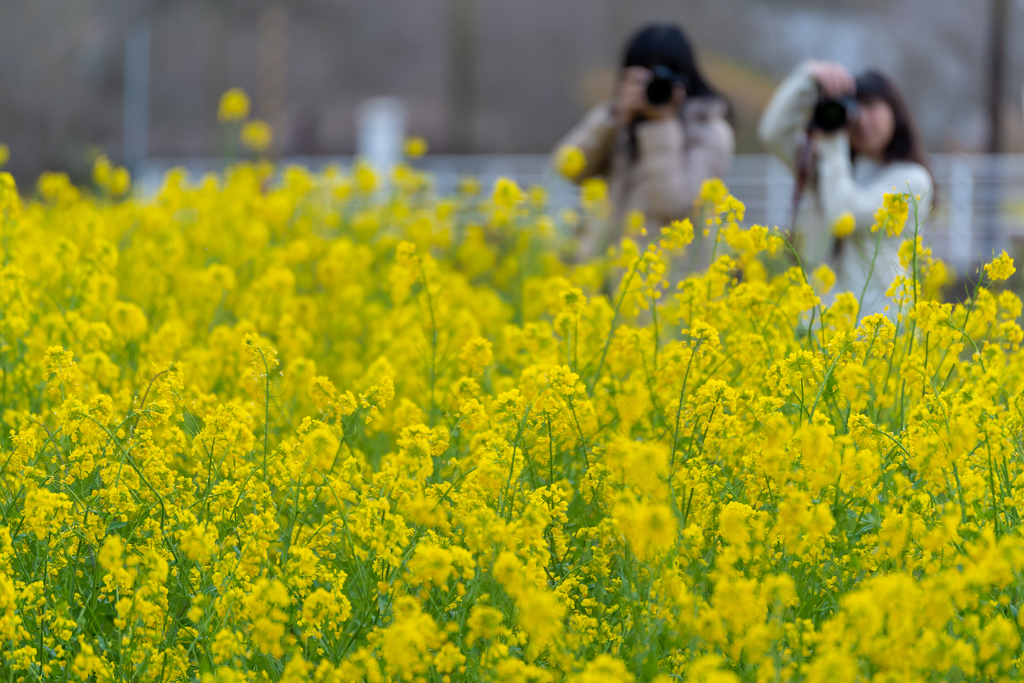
x: 842, y: 185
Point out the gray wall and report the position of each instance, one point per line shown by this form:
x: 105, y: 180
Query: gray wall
x: 538, y: 65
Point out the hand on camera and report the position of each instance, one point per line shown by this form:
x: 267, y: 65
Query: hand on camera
x: 834, y: 78
x: 631, y: 98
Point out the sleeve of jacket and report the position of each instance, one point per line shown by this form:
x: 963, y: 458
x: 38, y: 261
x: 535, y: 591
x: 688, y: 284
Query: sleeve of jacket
x: 784, y: 121
x: 675, y: 159
x: 839, y: 192
x: 595, y: 137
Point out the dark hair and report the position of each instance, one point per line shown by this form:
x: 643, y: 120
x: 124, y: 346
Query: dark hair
x: 874, y: 86
x: 667, y: 45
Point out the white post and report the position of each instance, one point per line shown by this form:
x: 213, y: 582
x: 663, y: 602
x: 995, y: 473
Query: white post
x: 380, y: 131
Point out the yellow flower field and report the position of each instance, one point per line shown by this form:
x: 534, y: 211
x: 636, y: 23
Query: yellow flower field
x: 319, y: 428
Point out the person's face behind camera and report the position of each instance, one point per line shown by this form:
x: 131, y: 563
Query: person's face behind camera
x: 631, y: 101
x: 873, y: 129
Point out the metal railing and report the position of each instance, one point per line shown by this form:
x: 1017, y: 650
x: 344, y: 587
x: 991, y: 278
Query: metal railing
x: 979, y: 208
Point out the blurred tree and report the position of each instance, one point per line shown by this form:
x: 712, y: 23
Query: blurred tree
x: 273, y: 70
x: 463, y: 73
x: 997, y: 68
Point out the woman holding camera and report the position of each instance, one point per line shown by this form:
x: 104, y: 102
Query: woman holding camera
x: 664, y: 133
x: 848, y: 168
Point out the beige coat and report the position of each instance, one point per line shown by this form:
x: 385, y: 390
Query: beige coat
x: 842, y: 185
x: 674, y: 156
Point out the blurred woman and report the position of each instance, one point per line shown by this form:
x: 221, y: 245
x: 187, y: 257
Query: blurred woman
x: 849, y: 171
x: 654, y: 155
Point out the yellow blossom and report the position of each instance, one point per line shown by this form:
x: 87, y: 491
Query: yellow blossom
x: 1000, y: 268
x: 257, y: 135
x: 234, y: 105
x: 287, y: 422
x: 570, y: 161
x: 415, y: 147
x: 844, y: 225
x: 825, y: 277
x: 893, y: 213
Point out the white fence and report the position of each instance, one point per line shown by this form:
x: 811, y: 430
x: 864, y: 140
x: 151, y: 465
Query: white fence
x: 980, y: 199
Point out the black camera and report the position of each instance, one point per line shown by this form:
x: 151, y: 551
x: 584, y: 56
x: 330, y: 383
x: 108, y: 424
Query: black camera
x: 831, y: 114
x: 659, y: 90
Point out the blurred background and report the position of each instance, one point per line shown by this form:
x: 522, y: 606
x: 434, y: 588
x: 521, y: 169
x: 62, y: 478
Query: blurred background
x: 502, y: 80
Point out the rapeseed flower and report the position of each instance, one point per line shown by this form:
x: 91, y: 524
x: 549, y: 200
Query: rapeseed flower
x: 233, y: 106
x: 893, y: 213
x: 257, y: 135
x: 844, y: 225
x: 289, y: 427
x: 570, y: 161
x: 1000, y: 268
x: 415, y: 147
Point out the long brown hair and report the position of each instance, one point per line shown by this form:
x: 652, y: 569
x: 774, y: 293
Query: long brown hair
x: 906, y: 144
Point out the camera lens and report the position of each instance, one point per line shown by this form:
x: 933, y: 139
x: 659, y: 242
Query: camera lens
x: 832, y: 114
x: 659, y: 91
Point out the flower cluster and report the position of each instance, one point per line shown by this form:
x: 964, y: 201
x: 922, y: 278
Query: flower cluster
x: 285, y: 426
x: 233, y: 108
